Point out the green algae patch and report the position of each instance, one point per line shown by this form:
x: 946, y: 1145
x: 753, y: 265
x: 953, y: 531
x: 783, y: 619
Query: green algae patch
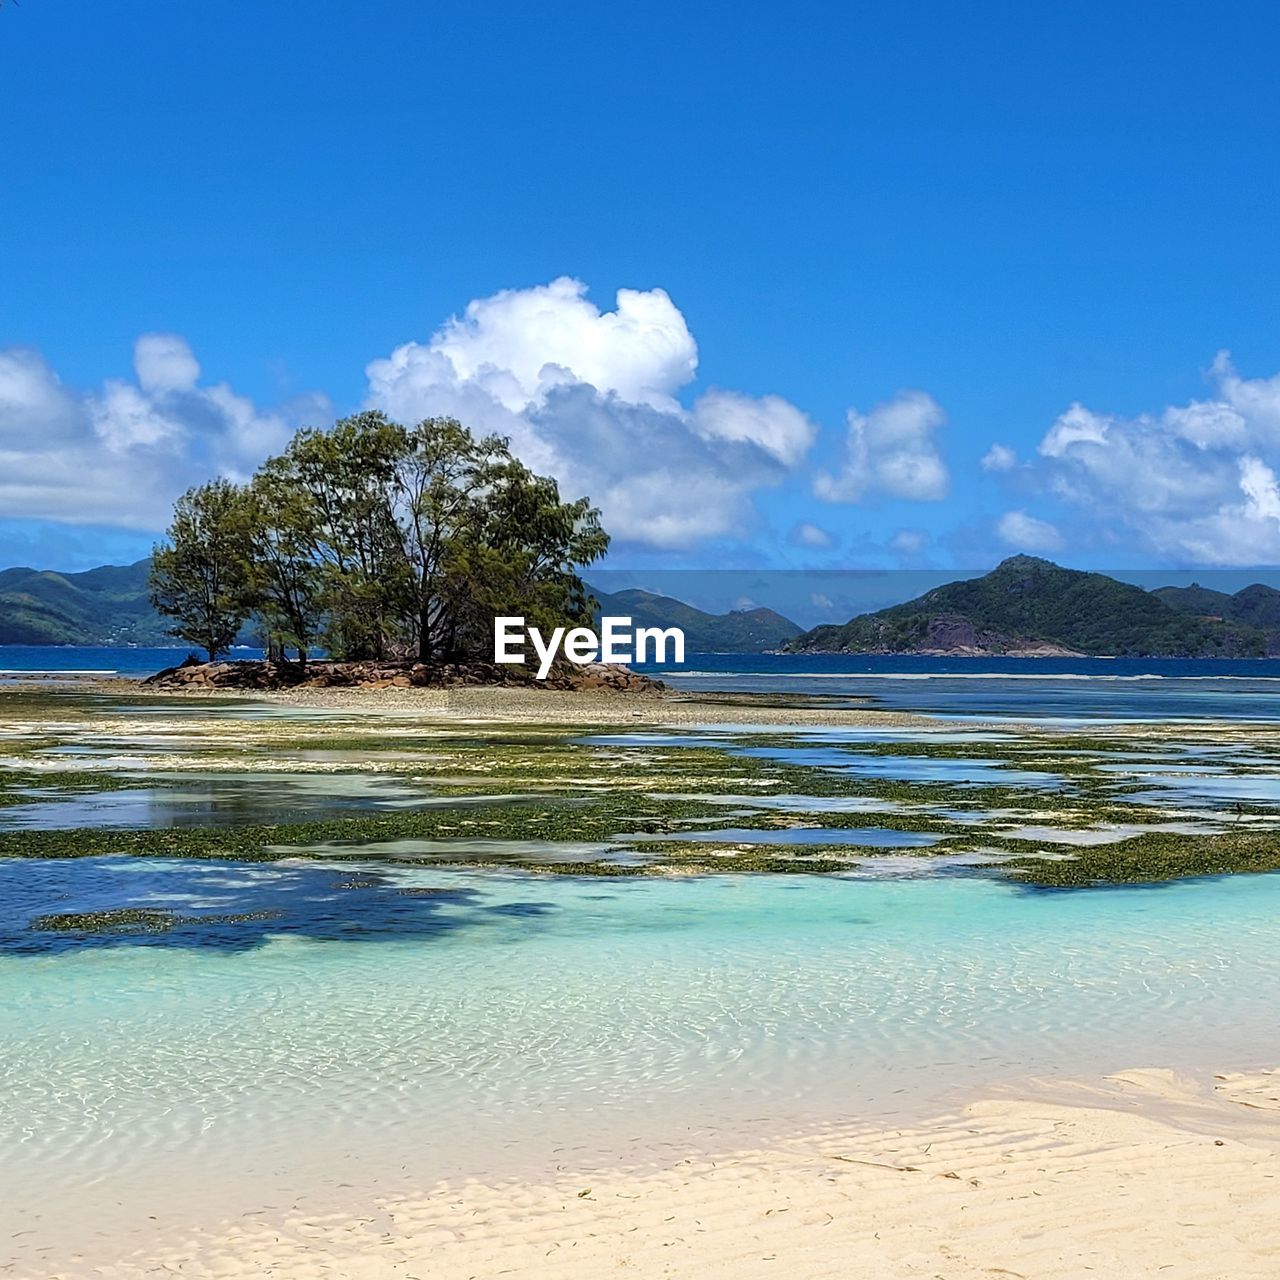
x: 133, y: 920
x: 572, y: 819
x: 1152, y: 858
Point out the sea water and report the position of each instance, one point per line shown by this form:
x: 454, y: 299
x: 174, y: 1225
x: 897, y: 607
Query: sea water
x: 375, y: 1023
x: 1064, y: 689
x: 1018, y: 688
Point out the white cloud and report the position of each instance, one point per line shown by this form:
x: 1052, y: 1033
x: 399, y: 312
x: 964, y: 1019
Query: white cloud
x: 770, y: 422
x: 519, y: 343
x: 165, y: 362
x: 999, y: 458
x: 590, y: 398
x: 1026, y: 533
x: 120, y: 454
x: 892, y: 451
x: 811, y: 535
x: 1193, y: 483
x: 34, y: 405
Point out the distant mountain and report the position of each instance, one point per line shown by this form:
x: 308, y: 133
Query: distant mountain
x: 100, y: 606
x: 1252, y: 606
x: 1031, y: 606
x: 1200, y: 602
x: 742, y: 631
x: 1025, y: 605
x: 110, y: 606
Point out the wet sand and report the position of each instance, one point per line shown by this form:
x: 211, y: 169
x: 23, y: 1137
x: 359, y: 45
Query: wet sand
x: 1143, y: 1174
x: 516, y: 705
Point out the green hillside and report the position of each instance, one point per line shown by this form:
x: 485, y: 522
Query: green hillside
x: 1023, y: 604
x: 1201, y: 602
x: 108, y: 605
x: 1253, y: 606
x: 1027, y: 603
x: 742, y: 631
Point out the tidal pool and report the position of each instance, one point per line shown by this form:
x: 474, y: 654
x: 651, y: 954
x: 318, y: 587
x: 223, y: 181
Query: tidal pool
x: 225, y: 800
x: 872, y: 837
x: 1199, y: 791
x: 953, y: 769
x: 822, y: 749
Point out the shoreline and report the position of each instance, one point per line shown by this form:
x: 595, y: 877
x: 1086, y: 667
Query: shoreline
x: 1020, y: 1180
x: 513, y: 704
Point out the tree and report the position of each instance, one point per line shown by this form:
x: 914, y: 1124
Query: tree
x: 200, y: 576
x: 340, y: 485
x: 285, y: 582
x: 441, y: 479
x: 521, y: 557
x: 482, y: 535
x: 377, y: 540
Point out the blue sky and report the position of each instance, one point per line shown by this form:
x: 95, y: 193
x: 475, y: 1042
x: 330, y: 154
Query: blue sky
x: 875, y: 256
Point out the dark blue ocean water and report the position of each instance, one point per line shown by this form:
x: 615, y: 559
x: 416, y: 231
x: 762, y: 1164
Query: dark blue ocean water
x: 1043, y: 688
x: 96, y: 659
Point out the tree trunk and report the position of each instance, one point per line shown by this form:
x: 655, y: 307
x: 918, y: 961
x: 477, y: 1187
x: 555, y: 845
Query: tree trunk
x: 424, y: 633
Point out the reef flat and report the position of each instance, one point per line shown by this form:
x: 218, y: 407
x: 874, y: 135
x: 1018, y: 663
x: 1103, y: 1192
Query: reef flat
x: 747, y: 784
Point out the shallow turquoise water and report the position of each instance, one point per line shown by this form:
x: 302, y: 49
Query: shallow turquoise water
x: 520, y: 1013
x: 183, y: 800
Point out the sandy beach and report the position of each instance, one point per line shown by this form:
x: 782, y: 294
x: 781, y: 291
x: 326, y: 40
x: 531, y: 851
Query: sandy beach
x: 1143, y: 1174
x: 516, y: 705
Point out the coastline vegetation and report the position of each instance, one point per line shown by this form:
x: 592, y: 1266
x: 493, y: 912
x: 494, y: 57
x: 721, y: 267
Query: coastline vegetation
x: 376, y: 540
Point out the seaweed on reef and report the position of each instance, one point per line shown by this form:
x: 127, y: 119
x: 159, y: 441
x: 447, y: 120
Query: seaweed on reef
x: 137, y: 920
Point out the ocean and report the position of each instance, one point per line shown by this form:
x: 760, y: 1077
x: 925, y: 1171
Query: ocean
x: 1067, y: 689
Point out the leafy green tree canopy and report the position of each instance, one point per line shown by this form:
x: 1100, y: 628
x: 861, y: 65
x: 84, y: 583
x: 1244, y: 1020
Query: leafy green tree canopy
x: 200, y: 576
x: 375, y: 539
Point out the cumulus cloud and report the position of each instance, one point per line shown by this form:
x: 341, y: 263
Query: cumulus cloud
x: 164, y: 362
x: 519, y: 343
x: 119, y: 454
x: 587, y: 395
x: 999, y: 458
x: 893, y: 451
x: 1193, y: 482
x: 590, y: 397
x: 1025, y: 533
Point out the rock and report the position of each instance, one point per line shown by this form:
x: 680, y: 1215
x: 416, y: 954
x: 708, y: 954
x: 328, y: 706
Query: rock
x: 326, y: 674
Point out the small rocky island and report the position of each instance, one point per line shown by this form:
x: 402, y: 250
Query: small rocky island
x: 263, y: 674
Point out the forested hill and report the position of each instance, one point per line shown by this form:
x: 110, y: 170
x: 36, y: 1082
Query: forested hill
x: 1029, y: 605
x: 108, y: 605
x: 1252, y: 606
x: 741, y: 631
x: 1024, y: 605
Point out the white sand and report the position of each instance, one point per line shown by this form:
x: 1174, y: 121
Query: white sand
x: 525, y: 706
x: 1145, y: 1174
